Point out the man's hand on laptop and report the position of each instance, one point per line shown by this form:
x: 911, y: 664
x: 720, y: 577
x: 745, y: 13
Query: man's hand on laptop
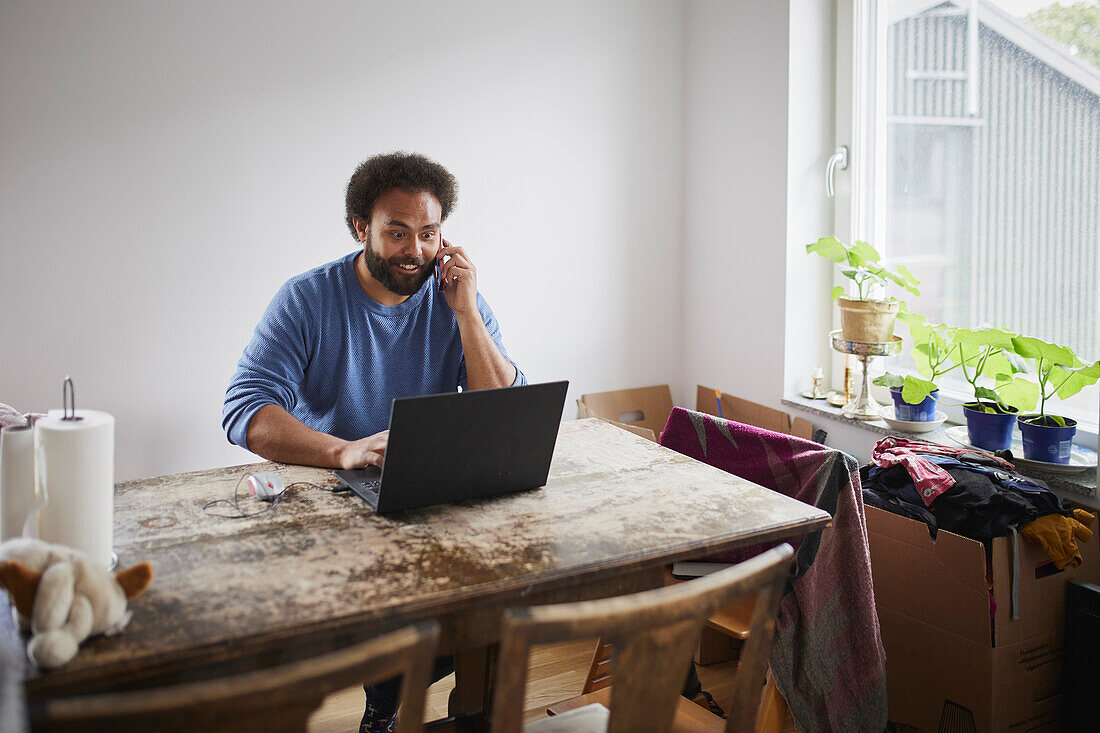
x: 369, y: 451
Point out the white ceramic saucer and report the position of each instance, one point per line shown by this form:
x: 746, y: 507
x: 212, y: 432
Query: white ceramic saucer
x: 1080, y: 458
x: 911, y: 426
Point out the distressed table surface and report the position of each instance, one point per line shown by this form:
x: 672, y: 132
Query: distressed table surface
x: 321, y: 570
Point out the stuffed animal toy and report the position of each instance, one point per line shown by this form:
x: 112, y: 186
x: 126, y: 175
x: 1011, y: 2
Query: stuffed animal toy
x: 63, y: 596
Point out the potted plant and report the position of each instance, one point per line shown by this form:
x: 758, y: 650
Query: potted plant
x: 981, y: 354
x: 991, y: 416
x: 863, y: 318
x: 915, y: 399
x: 1059, y: 373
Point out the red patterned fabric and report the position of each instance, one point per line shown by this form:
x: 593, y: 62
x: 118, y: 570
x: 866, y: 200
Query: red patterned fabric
x: 827, y: 659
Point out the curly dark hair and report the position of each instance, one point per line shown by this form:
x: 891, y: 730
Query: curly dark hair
x: 407, y: 171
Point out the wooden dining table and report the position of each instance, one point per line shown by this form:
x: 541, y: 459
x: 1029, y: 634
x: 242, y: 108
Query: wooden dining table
x: 321, y: 570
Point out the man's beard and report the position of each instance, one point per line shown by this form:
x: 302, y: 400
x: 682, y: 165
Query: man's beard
x: 400, y: 284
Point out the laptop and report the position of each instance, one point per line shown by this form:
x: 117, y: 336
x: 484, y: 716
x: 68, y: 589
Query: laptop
x: 451, y: 447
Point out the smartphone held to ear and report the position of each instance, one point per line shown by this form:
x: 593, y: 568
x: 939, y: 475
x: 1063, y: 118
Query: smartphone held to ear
x: 439, y: 267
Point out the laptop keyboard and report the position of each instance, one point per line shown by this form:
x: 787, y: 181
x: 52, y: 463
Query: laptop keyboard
x: 368, y: 489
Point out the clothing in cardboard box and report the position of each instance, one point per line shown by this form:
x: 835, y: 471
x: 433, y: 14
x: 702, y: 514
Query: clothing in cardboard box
x: 973, y: 494
x: 915, y: 456
x: 977, y: 504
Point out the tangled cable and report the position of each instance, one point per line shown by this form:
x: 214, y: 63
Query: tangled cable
x: 242, y: 514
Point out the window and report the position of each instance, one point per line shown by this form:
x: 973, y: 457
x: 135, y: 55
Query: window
x: 980, y: 165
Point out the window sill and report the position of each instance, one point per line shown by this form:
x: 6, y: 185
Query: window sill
x: 1079, y: 487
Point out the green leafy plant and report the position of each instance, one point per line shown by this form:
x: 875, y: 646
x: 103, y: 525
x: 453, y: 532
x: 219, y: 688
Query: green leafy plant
x: 985, y: 354
x: 931, y: 353
x: 989, y: 352
x: 860, y: 264
x: 1076, y: 26
x: 1059, y: 372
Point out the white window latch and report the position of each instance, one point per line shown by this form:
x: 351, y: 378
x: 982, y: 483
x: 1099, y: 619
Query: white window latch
x: 839, y: 159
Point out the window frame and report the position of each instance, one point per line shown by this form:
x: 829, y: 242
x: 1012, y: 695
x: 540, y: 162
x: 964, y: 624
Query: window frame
x: 861, y: 35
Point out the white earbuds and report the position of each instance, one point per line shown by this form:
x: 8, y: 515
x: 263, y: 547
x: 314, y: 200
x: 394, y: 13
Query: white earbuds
x: 267, y: 486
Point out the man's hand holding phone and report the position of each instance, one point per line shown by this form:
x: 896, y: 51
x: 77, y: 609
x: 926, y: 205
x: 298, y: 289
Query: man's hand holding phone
x: 458, y: 278
x: 486, y: 366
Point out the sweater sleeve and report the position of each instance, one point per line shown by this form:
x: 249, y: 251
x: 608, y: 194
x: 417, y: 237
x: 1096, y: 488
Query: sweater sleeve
x: 273, y: 363
x: 493, y: 327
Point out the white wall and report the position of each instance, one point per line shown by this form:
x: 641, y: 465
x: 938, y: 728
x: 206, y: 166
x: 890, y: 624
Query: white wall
x: 811, y: 140
x: 810, y: 313
x: 735, y: 211
x: 164, y: 167
x: 759, y: 129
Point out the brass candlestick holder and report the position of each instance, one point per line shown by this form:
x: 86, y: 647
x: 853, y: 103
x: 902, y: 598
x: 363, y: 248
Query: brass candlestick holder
x: 815, y: 392
x: 864, y: 406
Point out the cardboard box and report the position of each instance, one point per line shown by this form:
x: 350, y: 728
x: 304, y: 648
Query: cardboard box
x: 949, y: 665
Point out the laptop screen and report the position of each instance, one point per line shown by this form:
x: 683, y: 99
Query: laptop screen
x: 465, y: 445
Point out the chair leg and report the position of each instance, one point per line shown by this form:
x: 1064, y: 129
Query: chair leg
x: 471, y: 674
x: 774, y: 716
x: 715, y: 647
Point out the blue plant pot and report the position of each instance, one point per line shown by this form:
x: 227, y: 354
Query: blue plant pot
x: 1050, y: 443
x: 924, y: 412
x: 989, y: 430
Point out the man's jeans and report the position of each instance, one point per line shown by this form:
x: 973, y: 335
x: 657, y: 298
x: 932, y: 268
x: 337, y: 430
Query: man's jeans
x: 382, y: 699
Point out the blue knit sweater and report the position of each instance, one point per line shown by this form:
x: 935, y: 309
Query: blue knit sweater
x: 335, y: 359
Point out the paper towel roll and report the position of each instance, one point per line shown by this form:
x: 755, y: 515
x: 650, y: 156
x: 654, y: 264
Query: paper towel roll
x: 16, y: 479
x: 75, y: 472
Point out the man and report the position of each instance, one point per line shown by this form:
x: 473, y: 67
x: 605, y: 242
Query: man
x: 338, y: 343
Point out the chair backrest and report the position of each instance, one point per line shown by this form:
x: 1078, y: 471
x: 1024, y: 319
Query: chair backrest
x: 646, y: 407
x: 583, y: 411
x: 276, y: 699
x: 653, y: 636
x: 743, y: 411
x: 802, y: 428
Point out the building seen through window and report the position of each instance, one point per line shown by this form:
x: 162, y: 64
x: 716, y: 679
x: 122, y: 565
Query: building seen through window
x: 992, y: 166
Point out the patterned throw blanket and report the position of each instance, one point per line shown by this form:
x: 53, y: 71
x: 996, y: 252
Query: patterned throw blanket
x: 827, y: 659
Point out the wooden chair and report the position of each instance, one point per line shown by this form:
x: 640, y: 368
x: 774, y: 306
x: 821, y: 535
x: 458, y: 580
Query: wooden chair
x: 750, y: 413
x: 645, y: 407
x: 583, y: 411
x: 277, y: 699
x: 689, y: 718
x: 730, y: 626
x: 727, y: 629
x: 653, y: 635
